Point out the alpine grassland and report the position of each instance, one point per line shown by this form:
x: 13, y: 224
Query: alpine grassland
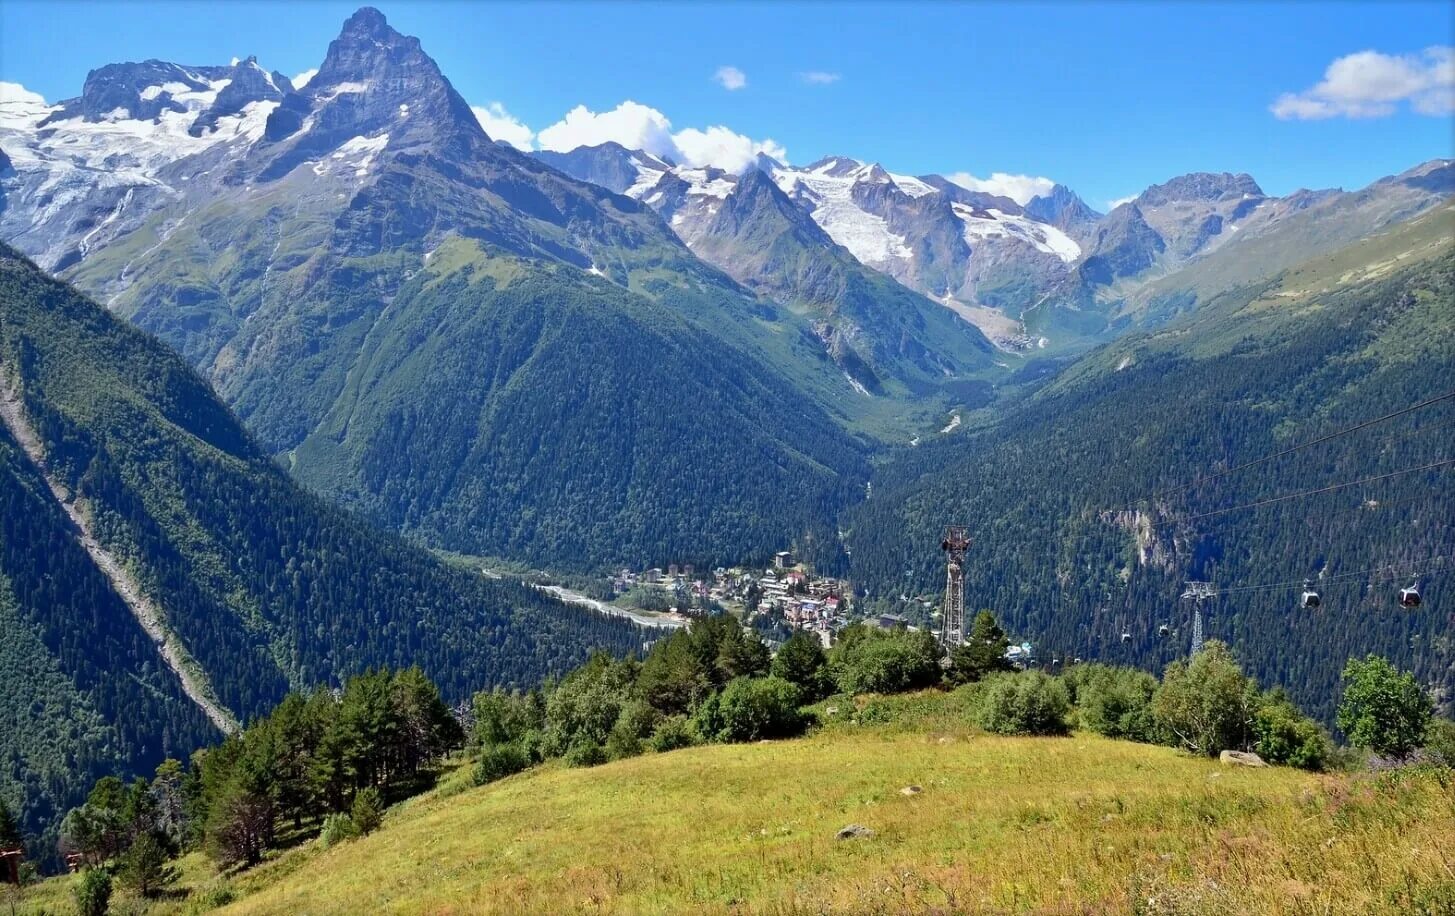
x: 956, y: 821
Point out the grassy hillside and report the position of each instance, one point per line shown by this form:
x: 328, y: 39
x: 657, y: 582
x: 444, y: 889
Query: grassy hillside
x: 1079, y: 824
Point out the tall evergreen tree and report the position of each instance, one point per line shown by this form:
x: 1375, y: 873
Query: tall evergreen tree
x: 982, y: 653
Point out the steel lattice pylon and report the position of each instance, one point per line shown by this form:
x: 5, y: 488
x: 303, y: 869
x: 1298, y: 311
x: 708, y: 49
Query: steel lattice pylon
x: 1198, y: 592
x: 952, y: 615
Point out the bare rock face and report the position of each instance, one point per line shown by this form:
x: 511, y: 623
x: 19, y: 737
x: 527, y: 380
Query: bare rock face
x: 1240, y: 759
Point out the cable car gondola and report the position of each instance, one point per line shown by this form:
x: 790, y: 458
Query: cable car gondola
x: 1409, y: 597
x: 1163, y: 630
x: 1311, y: 599
x: 1126, y: 637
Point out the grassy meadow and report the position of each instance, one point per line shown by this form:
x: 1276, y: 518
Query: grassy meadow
x: 1044, y: 825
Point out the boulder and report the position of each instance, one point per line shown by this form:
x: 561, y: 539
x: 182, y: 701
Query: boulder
x: 854, y: 830
x: 910, y: 790
x: 1241, y: 759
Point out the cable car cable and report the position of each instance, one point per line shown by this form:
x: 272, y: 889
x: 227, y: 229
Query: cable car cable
x: 1449, y: 395
x: 1328, y: 489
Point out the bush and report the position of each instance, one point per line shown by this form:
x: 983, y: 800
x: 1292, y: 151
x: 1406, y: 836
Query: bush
x: 212, y: 898
x: 498, y: 761
x: 1115, y: 702
x: 93, y: 892
x: 585, y: 754
x: 672, y: 733
x: 637, y: 722
x: 367, y: 812
x: 1383, y: 709
x: 751, y: 709
x: 1025, y: 703
x: 1440, y: 742
x: 1286, y: 736
x: 503, y: 717
x: 1206, y: 705
x: 336, y: 828
x: 867, y: 660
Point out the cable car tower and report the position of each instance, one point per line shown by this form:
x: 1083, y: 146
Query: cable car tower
x: 952, y: 617
x: 1198, y: 592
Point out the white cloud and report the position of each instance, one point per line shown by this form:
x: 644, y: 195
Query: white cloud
x: 14, y: 92
x: 1369, y: 84
x: 632, y: 124
x: 1019, y: 188
x: 638, y: 126
x: 1113, y: 204
x: 724, y: 148
x: 731, y: 78
x: 304, y: 78
x: 819, y: 77
x: 502, y: 125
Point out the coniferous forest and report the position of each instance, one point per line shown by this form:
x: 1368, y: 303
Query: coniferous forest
x: 267, y: 587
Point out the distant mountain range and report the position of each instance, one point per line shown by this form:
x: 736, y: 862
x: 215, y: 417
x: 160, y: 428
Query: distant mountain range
x: 1051, y: 273
x: 499, y: 351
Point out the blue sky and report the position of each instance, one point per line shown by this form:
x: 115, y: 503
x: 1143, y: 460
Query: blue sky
x: 1106, y: 98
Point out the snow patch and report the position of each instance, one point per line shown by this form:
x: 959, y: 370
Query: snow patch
x: 911, y: 185
x: 831, y: 200
x: 998, y: 224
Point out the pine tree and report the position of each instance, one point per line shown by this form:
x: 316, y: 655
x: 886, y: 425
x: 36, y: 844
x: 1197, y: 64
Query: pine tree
x: 982, y: 653
x: 144, y: 868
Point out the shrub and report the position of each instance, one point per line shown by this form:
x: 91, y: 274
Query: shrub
x: 93, y: 892
x: 1286, y: 736
x: 1025, y: 703
x: 336, y: 828
x: 1115, y: 702
x: 1383, y: 709
x: 1440, y: 742
x: 867, y: 660
x: 212, y: 898
x: 367, y: 812
x: 502, y: 717
x: 585, y: 754
x: 672, y: 733
x: 751, y: 709
x: 498, y: 761
x: 1206, y: 705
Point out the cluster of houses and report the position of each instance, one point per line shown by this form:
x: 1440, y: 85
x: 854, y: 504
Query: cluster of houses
x: 786, y: 589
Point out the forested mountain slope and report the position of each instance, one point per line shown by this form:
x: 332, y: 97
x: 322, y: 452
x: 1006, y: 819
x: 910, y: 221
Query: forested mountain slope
x: 265, y: 586
x: 1079, y: 499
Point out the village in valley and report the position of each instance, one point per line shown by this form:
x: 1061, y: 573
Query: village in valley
x: 777, y: 600
x: 783, y: 597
